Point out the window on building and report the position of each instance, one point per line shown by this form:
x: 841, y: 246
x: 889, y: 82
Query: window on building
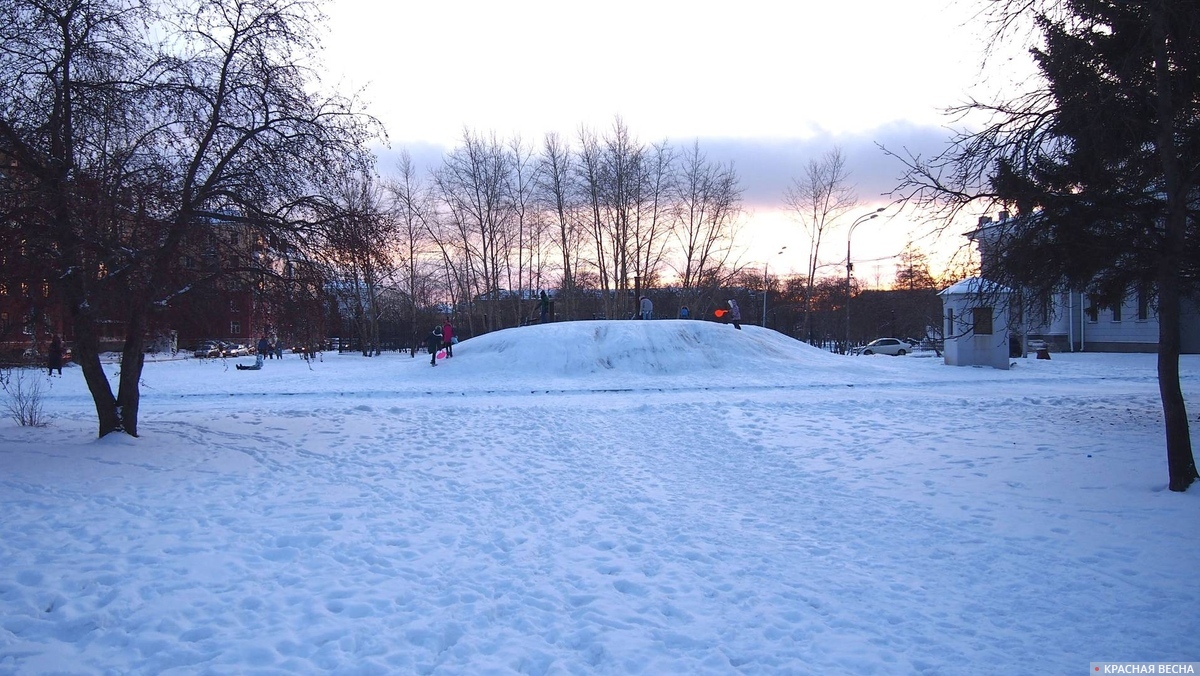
x: 233, y: 305
x: 1143, y: 304
x: 3, y: 289
x: 1092, y: 310
x: 45, y: 289
x: 1116, y: 311
x: 982, y: 321
x: 24, y: 289
x: 235, y: 328
x: 949, y: 322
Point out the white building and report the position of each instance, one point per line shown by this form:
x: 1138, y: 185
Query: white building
x: 975, y: 312
x: 1075, y: 321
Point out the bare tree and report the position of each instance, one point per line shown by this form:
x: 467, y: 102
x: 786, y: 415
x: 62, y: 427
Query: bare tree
x: 817, y: 200
x: 707, y: 205
x: 362, y: 240
x: 413, y: 208
x: 137, y: 154
x: 473, y: 184
x: 650, y: 228
x: 591, y: 180
x: 559, y: 199
x: 626, y: 186
x: 524, y: 238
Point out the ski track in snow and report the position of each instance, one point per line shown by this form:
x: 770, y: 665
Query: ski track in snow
x: 738, y: 530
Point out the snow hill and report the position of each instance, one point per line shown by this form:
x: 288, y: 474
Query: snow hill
x: 609, y: 350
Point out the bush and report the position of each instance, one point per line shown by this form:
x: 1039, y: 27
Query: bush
x: 24, y: 400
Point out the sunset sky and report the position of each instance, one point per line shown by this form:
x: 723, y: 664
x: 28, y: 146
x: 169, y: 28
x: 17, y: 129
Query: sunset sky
x: 767, y: 85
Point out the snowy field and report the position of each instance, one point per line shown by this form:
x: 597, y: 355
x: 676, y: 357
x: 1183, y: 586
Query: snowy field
x: 603, y: 497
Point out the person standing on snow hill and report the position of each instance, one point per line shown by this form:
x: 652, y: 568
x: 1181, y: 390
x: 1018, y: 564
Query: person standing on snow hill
x: 735, y: 314
x: 647, y: 308
x: 432, y: 342
x: 448, y: 338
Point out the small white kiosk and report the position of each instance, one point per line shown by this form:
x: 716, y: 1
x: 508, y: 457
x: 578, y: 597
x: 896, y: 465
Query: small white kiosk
x: 975, y: 312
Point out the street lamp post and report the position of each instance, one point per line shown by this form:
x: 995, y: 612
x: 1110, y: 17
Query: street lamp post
x: 850, y: 266
x: 765, y: 265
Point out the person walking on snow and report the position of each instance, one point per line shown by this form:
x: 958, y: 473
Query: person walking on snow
x: 448, y: 338
x: 432, y: 342
x: 647, y: 308
x: 735, y: 314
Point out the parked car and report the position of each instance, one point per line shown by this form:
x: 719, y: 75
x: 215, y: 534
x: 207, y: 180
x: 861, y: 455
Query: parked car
x: 236, y: 350
x: 892, y: 346
x: 208, y: 349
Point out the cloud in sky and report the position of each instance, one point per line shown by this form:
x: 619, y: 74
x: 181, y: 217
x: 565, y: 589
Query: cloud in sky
x: 763, y: 84
x: 766, y: 167
x: 762, y: 69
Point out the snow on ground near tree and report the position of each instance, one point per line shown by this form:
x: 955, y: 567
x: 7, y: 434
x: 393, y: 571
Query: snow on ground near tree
x: 603, y: 497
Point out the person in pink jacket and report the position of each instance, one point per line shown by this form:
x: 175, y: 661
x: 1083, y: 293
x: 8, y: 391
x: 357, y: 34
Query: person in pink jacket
x: 448, y: 338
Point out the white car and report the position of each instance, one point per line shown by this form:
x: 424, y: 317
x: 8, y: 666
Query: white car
x: 235, y: 350
x: 892, y: 346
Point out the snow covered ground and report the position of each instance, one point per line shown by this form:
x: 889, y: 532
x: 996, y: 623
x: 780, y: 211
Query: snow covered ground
x: 603, y: 497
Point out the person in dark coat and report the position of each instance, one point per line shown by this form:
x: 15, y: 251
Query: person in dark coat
x: 432, y: 343
x: 54, y: 356
x: 264, y: 347
x: 544, y: 305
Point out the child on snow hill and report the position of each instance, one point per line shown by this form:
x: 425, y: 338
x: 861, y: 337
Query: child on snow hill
x: 448, y: 338
x: 432, y: 342
x: 735, y: 314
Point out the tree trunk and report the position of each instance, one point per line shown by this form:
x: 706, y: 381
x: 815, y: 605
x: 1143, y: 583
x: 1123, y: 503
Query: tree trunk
x: 119, y: 413
x: 133, y: 358
x: 1181, y: 465
x: 87, y: 355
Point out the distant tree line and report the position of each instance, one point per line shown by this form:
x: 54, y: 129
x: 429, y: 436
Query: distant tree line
x: 595, y: 223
